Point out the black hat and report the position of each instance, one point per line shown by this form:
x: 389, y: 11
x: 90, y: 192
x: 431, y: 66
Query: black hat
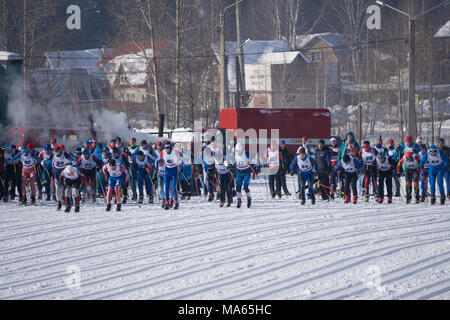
x: 112, y: 162
x: 302, y: 151
x: 143, y: 142
x: 140, y: 153
x: 115, y: 150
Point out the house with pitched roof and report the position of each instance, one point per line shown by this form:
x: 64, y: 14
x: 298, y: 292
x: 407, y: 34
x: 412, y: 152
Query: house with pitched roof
x: 443, y: 38
x: 274, y: 74
x: 129, y: 69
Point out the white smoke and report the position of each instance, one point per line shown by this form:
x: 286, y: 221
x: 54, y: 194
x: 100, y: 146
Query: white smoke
x: 42, y: 107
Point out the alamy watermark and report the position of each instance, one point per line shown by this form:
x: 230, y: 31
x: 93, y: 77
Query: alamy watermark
x: 257, y: 142
x: 374, y: 20
x: 73, y: 280
x: 73, y: 22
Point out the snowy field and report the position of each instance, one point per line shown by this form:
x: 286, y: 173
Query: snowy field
x: 275, y: 250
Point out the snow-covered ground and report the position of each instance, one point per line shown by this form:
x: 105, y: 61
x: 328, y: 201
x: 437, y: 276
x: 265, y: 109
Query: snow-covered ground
x: 275, y: 250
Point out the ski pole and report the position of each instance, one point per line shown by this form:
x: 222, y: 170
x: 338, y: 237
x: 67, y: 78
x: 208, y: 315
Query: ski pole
x: 323, y: 185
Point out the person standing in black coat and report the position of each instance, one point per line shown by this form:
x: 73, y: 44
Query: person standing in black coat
x: 286, y: 159
x: 323, y: 160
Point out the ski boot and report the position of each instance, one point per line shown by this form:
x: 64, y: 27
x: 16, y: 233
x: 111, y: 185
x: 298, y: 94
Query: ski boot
x: 389, y: 200
x: 68, y: 207
x: 287, y: 193
x: 380, y: 200
x: 355, y: 199
x: 176, y: 206
x: 124, y: 200
x: 229, y: 203
x: 303, y: 202
x: 313, y: 201
x: 77, y: 208
x: 5, y: 199
x: 448, y: 196
x: 141, y: 200
x: 59, y: 206
x: 239, y: 202
x: 408, y: 199
x: 347, y: 199
x: 108, y: 206
x: 118, y: 207
x: 171, y: 203
x: 222, y: 203
x: 422, y: 199
x: 442, y: 200
x: 273, y: 195
x: 211, y: 197
x: 279, y: 195
x: 134, y: 198
x: 40, y: 195
x: 166, y: 205
x: 163, y: 205
x: 54, y: 197
x: 150, y: 200
x: 33, y: 201
x: 366, y: 198
x: 48, y: 198
x: 93, y: 198
x: 417, y: 199
x: 23, y: 200
x: 218, y: 196
x: 249, y: 202
x: 433, y: 200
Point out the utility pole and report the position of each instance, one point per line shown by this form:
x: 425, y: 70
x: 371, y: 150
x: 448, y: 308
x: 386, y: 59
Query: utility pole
x: 177, y: 64
x: 222, y: 60
x: 412, y: 120
x: 359, y: 124
x: 223, y: 97
x: 238, y: 39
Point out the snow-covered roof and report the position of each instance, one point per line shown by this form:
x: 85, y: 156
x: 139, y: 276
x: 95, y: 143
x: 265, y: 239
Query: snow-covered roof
x: 257, y: 53
x: 444, y: 31
x: 135, y: 59
x: 82, y: 59
x: 9, y: 56
x: 335, y: 40
x: 56, y: 86
x: 252, y: 50
x: 280, y: 57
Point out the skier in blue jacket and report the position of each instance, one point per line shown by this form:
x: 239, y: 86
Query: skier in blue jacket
x: 307, y: 170
x: 143, y: 165
x: 351, y: 167
x: 437, y: 161
x: 171, y: 160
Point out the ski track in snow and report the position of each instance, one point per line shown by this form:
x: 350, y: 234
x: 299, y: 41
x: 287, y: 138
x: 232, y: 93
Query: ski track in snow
x: 275, y: 250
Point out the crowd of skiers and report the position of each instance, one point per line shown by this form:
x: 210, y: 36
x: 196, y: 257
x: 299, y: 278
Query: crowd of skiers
x: 164, y: 170
x: 378, y: 165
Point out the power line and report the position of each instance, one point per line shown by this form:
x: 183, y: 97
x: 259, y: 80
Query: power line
x: 337, y: 47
